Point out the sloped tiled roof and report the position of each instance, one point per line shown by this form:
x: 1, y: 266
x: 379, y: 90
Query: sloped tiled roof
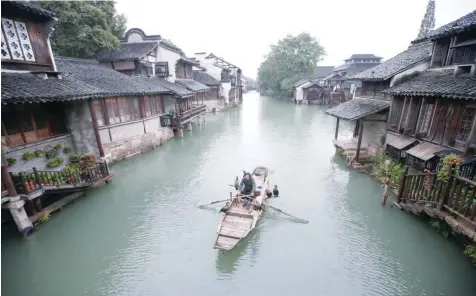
x: 358, y: 108
x: 127, y: 51
x: 438, y: 83
x: 192, y: 84
x: 465, y: 23
x: 363, y: 56
x: 205, y: 78
x: 354, y: 68
x: 301, y: 81
x: 170, y: 46
x: 323, y: 71
x: 108, y: 80
x: 18, y: 88
x: 175, y: 88
x: 28, y: 7
x: 415, y: 54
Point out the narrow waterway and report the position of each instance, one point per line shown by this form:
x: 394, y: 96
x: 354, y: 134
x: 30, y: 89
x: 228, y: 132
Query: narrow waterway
x: 143, y: 235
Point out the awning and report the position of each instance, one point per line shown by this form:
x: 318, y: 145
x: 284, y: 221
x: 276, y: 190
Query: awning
x: 358, y: 108
x: 399, y: 141
x: 425, y: 150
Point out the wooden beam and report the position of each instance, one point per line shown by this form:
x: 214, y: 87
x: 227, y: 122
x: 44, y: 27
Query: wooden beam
x: 420, y: 114
x: 337, y: 128
x: 95, y: 127
x: 390, y: 112
x: 359, y: 142
x: 402, y: 115
x: 433, y: 117
x: 470, y: 136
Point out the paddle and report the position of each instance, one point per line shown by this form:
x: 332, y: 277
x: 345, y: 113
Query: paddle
x: 299, y: 220
x: 213, y: 202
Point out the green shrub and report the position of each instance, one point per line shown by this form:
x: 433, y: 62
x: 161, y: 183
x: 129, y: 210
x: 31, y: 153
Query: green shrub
x: 39, y: 152
x: 56, y: 162
x: 11, y: 161
x: 58, y: 147
x: 67, y: 150
x: 27, y: 156
x: 451, y: 164
x: 470, y: 251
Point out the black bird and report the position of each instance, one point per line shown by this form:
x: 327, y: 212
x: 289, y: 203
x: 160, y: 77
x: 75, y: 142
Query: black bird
x: 275, y: 191
x: 269, y: 194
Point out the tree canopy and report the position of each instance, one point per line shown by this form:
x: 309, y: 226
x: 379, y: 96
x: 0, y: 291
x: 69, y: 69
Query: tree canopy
x: 292, y: 58
x: 85, y: 27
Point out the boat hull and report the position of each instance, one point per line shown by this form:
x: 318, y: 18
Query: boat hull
x: 237, y: 222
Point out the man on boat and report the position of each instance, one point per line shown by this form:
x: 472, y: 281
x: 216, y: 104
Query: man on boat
x: 247, y: 187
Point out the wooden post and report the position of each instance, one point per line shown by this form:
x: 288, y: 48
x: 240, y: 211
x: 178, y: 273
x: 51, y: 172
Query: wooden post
x: 39, y: 206
x: 359, y: 142
x: 7, y: 180
x: 96, y: 128
x: 337, y: 128
x: 444, y: 197
x: 401, y: 187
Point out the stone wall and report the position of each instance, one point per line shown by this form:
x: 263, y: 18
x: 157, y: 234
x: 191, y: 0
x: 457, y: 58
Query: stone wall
x: 38, y: 162
x: 80, y: 126
x: 125, y: 139
x: 374, y: 132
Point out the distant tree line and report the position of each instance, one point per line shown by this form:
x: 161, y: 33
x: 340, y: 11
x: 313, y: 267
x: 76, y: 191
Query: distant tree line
x: 292, y: 58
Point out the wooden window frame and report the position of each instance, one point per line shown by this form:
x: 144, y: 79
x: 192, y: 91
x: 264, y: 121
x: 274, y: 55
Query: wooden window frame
x: 460, y: 124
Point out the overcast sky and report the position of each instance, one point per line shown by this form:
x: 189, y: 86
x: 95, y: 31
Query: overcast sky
x: 242, y: 31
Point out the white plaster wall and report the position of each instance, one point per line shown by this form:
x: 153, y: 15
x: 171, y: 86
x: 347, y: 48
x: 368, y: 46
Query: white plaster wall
x: 134, y: 37
x: 300, y: 91
x: 420, y: 67
x: 171, y: 57
x: 125, y: 131
x: 104, y: 134
x: 152, y: 124
x: 226, y: 91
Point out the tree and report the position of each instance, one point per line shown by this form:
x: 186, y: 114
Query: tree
x: 292, y: 58
x: 85, y: 27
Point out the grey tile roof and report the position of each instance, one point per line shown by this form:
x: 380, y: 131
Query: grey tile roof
x: 301, y: 81
x: 323, y: 71
x: 437, y: 83
x: 176, y: 88
x: 465, y: 23
x: 28, y: 7
x: 415, y: 54
x: 358, y: 108
x: 127, y: 51
x: 205, y: 78
x: 363, y: 56
x: 170, y: 46
x: 20, y: 88
x: 192, y: 84
x: 108, y: 80
x: 352, y: 69
x: 189, y: 61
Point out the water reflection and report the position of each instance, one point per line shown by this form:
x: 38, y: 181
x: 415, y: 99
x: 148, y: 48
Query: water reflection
x: 227, y: 262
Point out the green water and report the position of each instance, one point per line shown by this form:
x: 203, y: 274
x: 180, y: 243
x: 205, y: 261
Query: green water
x: 143, y: 235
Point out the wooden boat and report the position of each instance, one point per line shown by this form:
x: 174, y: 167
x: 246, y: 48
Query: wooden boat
x: 237, y: 221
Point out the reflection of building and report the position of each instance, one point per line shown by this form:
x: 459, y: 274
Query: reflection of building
x: 432, y: 113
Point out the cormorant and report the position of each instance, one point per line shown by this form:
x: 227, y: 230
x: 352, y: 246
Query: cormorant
x: 275, y: 191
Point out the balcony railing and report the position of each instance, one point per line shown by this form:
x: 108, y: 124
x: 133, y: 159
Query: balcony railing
x: 185, y: 116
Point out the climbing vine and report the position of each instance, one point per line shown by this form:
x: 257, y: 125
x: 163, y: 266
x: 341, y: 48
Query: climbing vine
x: 450, y: 165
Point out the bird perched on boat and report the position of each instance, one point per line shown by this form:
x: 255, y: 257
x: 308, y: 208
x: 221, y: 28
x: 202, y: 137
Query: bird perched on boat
x: 269, y: 194
x: 275, y: 191
x: 237, y: 183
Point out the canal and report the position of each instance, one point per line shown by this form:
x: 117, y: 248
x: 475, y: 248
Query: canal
x: 143, y: 234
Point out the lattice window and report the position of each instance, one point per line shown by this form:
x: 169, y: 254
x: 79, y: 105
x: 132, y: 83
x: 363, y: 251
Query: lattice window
x: 424, y: 120
x: 16, y: 43
x: 465, y: 125
x: 5, y: 53
x: 25, y: 41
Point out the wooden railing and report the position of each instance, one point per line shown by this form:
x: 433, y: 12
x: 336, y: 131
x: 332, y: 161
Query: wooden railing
x: 456, y: 195
x: 26, y: 183
x: 187, y: 115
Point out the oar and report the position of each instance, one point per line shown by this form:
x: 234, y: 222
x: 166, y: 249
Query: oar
x: 281, y: 211
x: 213, y: 202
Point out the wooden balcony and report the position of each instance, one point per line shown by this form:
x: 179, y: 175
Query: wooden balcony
x: 452, y: 200
x: 186, y: 116
x: 39, y: 182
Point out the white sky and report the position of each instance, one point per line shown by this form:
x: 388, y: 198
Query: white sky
x: 242, y: 31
